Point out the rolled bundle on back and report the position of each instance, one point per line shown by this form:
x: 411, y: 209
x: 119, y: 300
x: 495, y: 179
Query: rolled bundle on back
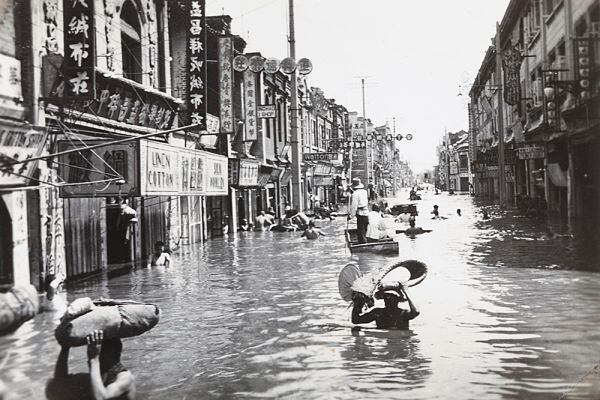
x: 17, y: 305
x: 117, y: 318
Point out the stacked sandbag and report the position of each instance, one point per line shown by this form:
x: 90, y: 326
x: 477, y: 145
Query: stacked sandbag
x: 117, y: 318
x: 18, y: 305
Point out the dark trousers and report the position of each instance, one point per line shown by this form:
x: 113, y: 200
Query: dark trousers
x: 362, y: 221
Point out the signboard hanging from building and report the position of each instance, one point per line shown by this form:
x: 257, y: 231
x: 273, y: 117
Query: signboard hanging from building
x: 529, y: 151
x: 88, y: 171
x: 248, y: 173
x: 320, y: 156
x: 266, y: 111
x: 196, y: 64
x: 215, y: 175
x: 79, y: 44
x: 250, y: 103
x: 16, y: 144
x: 511, y: 63
x: 226, y: 84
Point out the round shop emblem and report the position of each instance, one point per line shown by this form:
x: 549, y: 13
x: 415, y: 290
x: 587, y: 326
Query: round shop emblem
x: 409, y: 136
x: 256, y: 63
x: 271, y: 65
x: 305, y: 66
x: 288, y: 65
x: 240, y: 63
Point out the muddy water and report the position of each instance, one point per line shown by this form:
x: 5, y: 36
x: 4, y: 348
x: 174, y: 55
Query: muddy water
x: 258, y: 315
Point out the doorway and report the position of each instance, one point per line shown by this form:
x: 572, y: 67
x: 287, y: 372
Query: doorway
x: 6, y: 246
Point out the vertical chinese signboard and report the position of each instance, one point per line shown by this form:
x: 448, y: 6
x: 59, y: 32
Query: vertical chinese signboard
x: 80, y: 55
x: 250, y: 102
x: 226, y: 84
x: 511, y: 61
x: 196, y: 57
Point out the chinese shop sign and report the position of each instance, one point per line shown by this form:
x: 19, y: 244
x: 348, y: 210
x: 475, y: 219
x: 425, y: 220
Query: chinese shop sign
x: 511, y: 63
x: 92, y: 168
x: 250, y: 102
x: 226, y: 83
x: 196, y: 62
x: 80, y: 55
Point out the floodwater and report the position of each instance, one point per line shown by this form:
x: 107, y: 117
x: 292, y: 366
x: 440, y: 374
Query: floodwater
x: 258, y: 315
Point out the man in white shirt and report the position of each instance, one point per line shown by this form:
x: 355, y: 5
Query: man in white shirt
x: 376, y: 229
x: 359, y: 207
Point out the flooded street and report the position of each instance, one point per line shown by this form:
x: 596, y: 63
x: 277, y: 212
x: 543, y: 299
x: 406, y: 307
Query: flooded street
x: 258, y: 315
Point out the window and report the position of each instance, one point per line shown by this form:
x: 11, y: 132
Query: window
x: 131, y: 42
x: 315, y: 134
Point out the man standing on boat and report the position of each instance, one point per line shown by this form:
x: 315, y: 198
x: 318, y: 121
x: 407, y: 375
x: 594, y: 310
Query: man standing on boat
x: 359, y: 207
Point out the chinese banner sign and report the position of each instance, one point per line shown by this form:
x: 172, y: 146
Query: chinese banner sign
x: 226, y: 82
x: 196, y: 57
x: 250, y: 99
x: 80, y: 55
x: 511, y: 62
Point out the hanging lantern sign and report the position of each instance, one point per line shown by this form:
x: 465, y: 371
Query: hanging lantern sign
x: 271, y: 65
x: 305, y: 66
x: 399, y: 137
x: 240, y: 63
x: 288, y: 65
x: 256, y: 63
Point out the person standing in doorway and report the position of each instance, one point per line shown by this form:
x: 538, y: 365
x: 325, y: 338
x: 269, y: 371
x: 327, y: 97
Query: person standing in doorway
x: 359, y: 207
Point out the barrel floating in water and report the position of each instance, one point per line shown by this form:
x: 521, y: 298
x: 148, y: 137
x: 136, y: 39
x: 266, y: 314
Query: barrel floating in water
x: 18, y: 305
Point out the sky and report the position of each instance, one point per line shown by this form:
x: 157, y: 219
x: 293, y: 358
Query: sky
x: 417, y: 56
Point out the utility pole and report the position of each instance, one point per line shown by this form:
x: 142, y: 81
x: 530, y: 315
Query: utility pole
x: 500, y: 113
x: 297, y: 196
x: 362, y: 80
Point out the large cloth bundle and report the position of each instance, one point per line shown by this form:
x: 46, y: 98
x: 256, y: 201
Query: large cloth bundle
x: 117, y: 318
x: 17, y: 305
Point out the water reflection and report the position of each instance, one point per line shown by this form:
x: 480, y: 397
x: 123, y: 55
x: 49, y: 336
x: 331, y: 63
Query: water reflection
x: 258, y: 315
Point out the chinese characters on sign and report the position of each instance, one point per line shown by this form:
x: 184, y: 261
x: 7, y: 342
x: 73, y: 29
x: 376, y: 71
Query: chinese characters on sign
x: 511, y: 61
x: 80, y: 55
x: 226, y: 83
x: 250, y: 102
x: 17, y: 144
x: 196, y: 57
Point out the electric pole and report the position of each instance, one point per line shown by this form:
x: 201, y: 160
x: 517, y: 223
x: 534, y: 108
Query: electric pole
x: 500, y: 113
x: 297, y: 196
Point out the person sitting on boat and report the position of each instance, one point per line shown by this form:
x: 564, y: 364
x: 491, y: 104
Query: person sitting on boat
x: 376, y: 230
x: 312, y: 232
x: 390, y: 317
x: 286, y: 224
x: 359, y: 207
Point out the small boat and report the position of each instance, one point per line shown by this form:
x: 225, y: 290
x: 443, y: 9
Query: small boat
x: 383, y: 247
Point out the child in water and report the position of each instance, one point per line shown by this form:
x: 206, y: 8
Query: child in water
x: 312, y: 232
x: 160, y: 256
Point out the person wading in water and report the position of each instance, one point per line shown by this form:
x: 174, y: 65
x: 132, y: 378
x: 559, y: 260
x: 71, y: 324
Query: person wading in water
x: 390, y: 317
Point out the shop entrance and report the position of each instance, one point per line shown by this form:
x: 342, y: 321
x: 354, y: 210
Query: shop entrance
x: 120, y: 235
x: 6, y: 253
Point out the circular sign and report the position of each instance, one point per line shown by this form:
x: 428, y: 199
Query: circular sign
x: 399, y: 137
x: 369, y: 136
x: 288, y: 65
x: 256, y: 63
x: 409, y: 136
x: 388, y: 137
x: 271, y: 65
x: 240, y: 63
x: 305, y: 66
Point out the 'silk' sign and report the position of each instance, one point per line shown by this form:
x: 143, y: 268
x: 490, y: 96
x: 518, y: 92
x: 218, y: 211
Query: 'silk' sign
x: 80, y: 55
